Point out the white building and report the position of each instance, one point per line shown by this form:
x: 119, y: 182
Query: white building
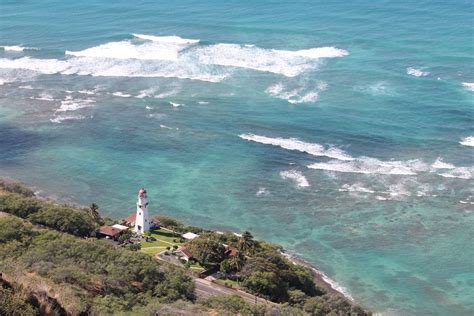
x: 142, y: 221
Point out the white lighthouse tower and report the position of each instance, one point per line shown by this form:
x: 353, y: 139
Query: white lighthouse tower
x: 142, y: 222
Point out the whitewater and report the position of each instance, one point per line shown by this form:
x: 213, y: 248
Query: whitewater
x: 342, y: 131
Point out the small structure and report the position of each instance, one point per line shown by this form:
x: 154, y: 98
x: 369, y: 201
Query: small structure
x: 189, y: 236
x: 130, y: 221
x: 230, y: 251
x: 142, y: 222
x: 120, y: 227
x: 184, y: 254
x: 108, y: 232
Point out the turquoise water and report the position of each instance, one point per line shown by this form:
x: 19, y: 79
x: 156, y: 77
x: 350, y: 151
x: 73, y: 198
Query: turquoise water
x: 339, y: 130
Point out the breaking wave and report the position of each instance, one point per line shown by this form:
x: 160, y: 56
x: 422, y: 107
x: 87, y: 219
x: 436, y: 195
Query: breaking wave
x: 468, y: 141
x: 295, y: 96
x: 17, y: 48
x: 368, y: 165
x: 468, y: 86
x: 296, y: 176
x: 459, y: 172
x: 173, y: 56
x: 71, y: 104
x: 61, y: 118
x: 166, y: 39
x: 298, y: 145
x: 417, y: 72
x: 440, y: 164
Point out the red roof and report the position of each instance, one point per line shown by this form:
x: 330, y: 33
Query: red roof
x: 231, y: 251
x: 131, y: 218
x: 142, y: 191
x: 109, y: 231
x: 186, y: 251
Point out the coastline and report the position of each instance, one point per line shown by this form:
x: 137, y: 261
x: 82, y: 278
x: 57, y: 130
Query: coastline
x: 320, y: 278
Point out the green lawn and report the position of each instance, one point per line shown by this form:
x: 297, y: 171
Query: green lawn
x: 164, y: 238
x: 196, y: 267
x: 232, y: 283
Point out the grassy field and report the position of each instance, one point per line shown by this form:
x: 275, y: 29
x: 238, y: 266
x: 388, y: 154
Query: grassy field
x: 164, y: 238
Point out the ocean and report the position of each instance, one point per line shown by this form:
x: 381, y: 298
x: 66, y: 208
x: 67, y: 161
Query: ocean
x: 340, y: 130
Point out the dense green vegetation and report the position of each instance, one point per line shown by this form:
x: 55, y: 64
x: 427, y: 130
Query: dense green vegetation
x: 104, y: 278
x: 17, y: 200
x: 48, y: 258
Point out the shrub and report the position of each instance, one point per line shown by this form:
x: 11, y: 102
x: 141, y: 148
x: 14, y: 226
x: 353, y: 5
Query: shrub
x: 134, y: 247
x: 64, y: 219
x: 19, y: 205
x: 12, y: 228
x: 16, y: 187
x: 12, y: 303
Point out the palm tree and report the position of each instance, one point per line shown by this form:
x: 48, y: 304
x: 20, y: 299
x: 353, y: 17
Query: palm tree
x: 94, y: 211
x: 246, y: 242
x: 237, y: 262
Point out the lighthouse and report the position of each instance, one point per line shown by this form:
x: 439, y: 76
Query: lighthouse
x: 142, y: 222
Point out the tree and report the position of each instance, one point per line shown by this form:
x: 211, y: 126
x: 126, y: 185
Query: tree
x: 237, y: 262
x: 246, y: 243
x: 94, y: 212
x: 207, y: 251
x: 267, y: 284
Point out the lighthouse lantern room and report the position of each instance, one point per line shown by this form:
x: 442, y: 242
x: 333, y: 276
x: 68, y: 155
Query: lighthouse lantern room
x: 142, y: 221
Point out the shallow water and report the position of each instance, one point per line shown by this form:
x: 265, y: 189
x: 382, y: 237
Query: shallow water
x: 340, y: 131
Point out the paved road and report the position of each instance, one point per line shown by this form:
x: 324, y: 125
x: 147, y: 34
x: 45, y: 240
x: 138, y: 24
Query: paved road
x: 206, y: 289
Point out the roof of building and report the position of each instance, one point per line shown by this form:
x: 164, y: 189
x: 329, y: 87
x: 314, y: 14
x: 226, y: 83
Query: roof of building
x: 131, y: 218
x: 142, y: 192
x: 109, y: 231
x: 231, y: 251
x: 186, y: 252
x: 189, y: 236
x: 121, y: 227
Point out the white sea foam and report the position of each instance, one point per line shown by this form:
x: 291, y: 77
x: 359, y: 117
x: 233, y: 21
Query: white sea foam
x: 121, y: 94
x: 17, y: 48
x: 203, y: 102
x: 106, y: 67
x: 468, y: 86
x: 166, y: 39
x: 287, y: 63
x: 28, y: 87
x: 440, y: 164
x: 262, y: 191
x: 173, y: 56
x: 298, y: 145
x: 296, y: 176
x: 167, y: 127
x: 71, y: 104
x: 43, y: 96
x: 129, y: 50
x: 61, y: 118
x: 292, y: 96
x: 148, y: 107
x: 176, y: 105
x: 417, y: 72
x: 467, y: 141
x: 459, y: 172
x: 356, y: 187
x: 368, y: 165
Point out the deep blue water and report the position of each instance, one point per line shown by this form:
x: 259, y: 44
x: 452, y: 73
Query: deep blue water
x: 339, y: 130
